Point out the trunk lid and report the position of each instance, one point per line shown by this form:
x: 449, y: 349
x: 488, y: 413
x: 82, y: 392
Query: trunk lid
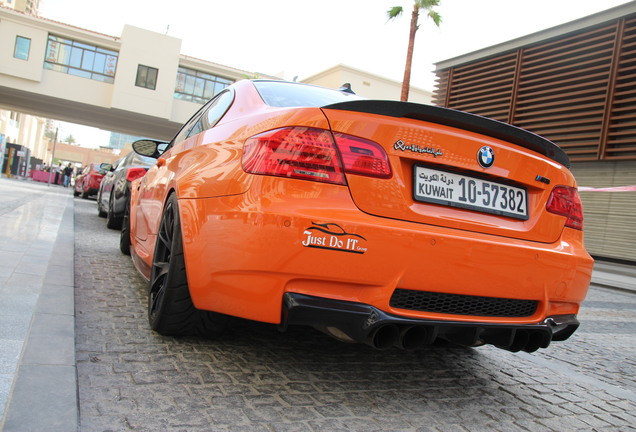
x: 455, y: 169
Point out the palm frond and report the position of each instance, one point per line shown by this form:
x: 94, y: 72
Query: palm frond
x: 394, y: 12
x: 437, y: 18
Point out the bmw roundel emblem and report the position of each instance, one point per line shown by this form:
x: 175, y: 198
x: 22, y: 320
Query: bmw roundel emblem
x: 486, y: 157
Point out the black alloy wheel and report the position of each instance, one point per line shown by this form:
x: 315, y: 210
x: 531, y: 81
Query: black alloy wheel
x: 170, y: 308
x: 112, y: 222
x: 124, y: 235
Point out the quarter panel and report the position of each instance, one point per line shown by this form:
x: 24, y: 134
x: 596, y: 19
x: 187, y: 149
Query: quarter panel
x: 209, y: 164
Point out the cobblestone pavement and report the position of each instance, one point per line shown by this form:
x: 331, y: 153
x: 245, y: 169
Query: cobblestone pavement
x: 254, y: 378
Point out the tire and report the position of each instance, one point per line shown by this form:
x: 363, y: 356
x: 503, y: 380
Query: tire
x: 75, y: 193
x: 100, y: 212
x: 170, y: 308
x: 124, y: 236
x: 112, y: 222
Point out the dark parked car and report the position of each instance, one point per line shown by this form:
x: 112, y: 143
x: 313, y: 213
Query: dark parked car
x: 88, y: 180
x: 114, y: 192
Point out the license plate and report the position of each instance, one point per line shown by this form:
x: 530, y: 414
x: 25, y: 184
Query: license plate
x: 458, y: 190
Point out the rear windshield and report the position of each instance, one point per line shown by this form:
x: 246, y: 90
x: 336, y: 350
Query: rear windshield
x: 288, y: 94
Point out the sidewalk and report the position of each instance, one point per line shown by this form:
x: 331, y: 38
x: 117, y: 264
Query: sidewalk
x: 612, y: 275
x: 38, y: 380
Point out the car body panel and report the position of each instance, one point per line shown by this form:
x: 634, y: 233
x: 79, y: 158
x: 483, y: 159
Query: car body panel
x: 249, y: 240
x: 87, y: 182
x: 106, y: 186
x: 115, y: 185
x: 261, y: 250
x: 394, y: 198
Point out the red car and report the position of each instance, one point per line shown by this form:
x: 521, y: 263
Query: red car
x: 87, y: 182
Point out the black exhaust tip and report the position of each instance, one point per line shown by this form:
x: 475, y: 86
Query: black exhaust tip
x: 384, y: 337
x: 414, y: 337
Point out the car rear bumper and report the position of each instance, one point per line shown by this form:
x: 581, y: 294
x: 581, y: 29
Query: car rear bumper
x: 245, y: 253
x: 362, y: 323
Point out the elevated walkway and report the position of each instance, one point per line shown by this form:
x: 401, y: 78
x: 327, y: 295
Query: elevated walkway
x: 80, y: 76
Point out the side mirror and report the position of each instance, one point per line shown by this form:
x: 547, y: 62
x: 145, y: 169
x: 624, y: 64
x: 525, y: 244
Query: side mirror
x: 105, y: 167
x: 149, y: 148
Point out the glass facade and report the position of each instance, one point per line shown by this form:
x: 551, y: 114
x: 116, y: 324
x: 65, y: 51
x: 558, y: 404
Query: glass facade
x: 80, y: 59
x: 198, y: 87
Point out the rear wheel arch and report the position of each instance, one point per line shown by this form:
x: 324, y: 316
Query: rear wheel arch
x: 170, y: 307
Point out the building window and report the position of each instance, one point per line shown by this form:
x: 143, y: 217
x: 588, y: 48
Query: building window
x: 80, y: 59
x: 22, y: 47
x: 199, y: 87
x: 146, y: 77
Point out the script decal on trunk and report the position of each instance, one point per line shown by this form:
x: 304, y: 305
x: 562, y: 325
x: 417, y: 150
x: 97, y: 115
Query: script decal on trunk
x: 332, y: 236
x: 402, y: 146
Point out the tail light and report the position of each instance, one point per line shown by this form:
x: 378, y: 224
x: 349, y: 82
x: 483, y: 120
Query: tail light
x: 362, y: 156
x: 135, y: 173
x: 565, y: 201
x: 313, y: 154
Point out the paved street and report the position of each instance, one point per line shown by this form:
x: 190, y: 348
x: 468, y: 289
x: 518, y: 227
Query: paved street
x: 254, y: 378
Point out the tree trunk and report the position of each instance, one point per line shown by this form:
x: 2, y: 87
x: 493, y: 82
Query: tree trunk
x: 406, y: 82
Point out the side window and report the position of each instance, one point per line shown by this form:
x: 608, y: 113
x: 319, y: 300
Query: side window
x: 184, y: 132
x: 208, y: 116
x: 197, y: 128
x: 218, y: 108
x: 213, y: 112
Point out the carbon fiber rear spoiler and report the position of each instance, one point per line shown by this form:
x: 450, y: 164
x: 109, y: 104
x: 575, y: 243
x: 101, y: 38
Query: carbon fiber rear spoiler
x: 460, y: 120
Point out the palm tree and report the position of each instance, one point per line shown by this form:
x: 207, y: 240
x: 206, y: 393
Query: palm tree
x: 69, y: 140
x: 50, y: 134
x: 396, y: 11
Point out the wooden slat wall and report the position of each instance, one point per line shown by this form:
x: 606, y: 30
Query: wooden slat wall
x: 483, y: 88
x: 621, y: 136
x: 610, y: 217
x: 578, y: 90
x: 560, y: 75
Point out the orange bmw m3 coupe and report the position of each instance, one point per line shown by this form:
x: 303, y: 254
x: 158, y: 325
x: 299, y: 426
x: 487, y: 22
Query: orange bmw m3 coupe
x: 378, y: 222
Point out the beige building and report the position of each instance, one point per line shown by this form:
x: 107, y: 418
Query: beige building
x: 28, y: 6
x: 82, y: 156
x: 16, y: 127
x: 138, y: 83
x: 366, y: 84
x: 25, y: 129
